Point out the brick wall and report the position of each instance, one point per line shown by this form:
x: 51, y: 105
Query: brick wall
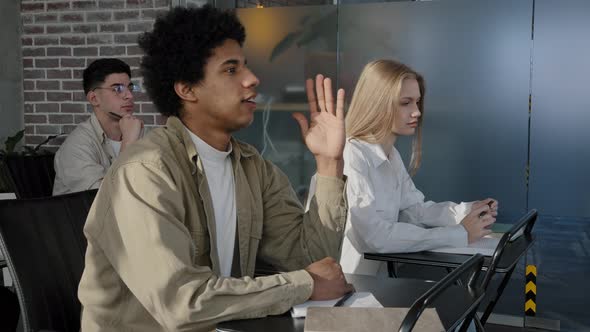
x: 59, y: 39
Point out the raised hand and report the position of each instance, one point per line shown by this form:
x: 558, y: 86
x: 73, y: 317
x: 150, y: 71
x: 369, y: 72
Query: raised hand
x: 324, y: 135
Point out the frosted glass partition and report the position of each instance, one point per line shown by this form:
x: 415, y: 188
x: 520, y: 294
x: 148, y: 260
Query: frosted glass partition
x: 475, y: 57
x: 283, y: 47
x: 560, y: 156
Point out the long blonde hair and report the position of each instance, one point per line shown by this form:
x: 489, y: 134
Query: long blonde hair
x: 375, y: 101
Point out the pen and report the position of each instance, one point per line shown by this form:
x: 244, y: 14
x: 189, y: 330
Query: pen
x: 115, y: 115
x: 343, y: 299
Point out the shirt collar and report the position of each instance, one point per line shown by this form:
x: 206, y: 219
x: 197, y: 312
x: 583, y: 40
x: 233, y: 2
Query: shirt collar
x: 374, y: 151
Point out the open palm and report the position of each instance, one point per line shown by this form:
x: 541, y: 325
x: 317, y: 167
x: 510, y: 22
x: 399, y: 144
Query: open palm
x: 324, y: 135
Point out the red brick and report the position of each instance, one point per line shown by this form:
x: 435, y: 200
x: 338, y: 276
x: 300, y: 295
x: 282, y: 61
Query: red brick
x: 99, y: 39
x: 85, y: 51
x: 78, y: 96
x: 71, y: 18
x: 59, y: 51
x: 112, y: 50
x: 45, y: 18
x: 59, y: 73
x: 132, y: 62
x: 161, y: 120
x: 32, y: 7
x: 126, y: 39
x: 59, y: 96
x: 33, y: 29
x: 73, y: 108
x: 33, y: 73
x: 47, y: 85
x: 27, y: 63
x: 29, y: 130
x: 85, y: 28
x: 29, y: 108
x: 102, y: 16
x: 141, y: 96
x: 139, y: 27
x: 72, y: 40
x: 47, y: 108
x: 33, y: 51
x: 73, y: 62
x: 48, y: 129
x: 58, y: 28
x: 46, y: 63
x: 26, y: 41
x: 112, y: 27
x: 162, y: 3
x: 135, y: 72
x: 71, y: 85
x: 44, y: 41
x: 33, y: 139
x: 140, y: 3
x: 81, y: 118
x: 61, y: 118
x: 77, y: 74
x: 34, y: 96
x: 127, y: 15
x: 28, y: 85
x: 152, y: 14
x: 111, y: 4
x: 35, y: 118
x: 147, y: 119
x: 58, y: 6
x: 84, y: 4
x: 67, y: 129
x: 134, y: 50
x: 26, y: 19
x: 148, y: 108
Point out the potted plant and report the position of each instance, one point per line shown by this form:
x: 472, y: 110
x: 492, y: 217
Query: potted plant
x: 28, y: 172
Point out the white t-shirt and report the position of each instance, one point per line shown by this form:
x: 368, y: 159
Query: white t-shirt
x: 220, y: 178
x: 116, y: 145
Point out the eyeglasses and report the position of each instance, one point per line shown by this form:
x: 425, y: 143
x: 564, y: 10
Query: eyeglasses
x: 120, y: 89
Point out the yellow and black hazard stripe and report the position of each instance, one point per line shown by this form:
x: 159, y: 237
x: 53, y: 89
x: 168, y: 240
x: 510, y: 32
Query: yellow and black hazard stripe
x: 530, y: 304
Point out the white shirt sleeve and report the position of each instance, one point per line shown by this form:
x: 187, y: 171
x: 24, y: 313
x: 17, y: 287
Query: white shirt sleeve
x: 375, y: 224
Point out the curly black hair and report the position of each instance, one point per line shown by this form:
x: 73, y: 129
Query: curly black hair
x: 178, y: 47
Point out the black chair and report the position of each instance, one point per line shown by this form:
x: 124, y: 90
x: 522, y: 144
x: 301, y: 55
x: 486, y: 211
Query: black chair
x: 31, y: 176
x: 469, y: 270
x: 44, y: 245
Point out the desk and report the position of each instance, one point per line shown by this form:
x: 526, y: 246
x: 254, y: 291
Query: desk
x: 506, y: 264
x: 452, y: 305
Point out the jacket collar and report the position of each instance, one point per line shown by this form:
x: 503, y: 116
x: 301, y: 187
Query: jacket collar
x: 175, y: 125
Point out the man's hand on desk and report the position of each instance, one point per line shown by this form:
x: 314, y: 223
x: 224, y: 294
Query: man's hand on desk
x: 328, y: 280
x: 478, y: 222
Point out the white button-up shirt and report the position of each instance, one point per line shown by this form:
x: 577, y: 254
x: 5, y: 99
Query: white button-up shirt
x: 387, y: 213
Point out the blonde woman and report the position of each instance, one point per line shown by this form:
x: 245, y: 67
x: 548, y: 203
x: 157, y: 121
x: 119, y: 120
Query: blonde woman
x: 387, y: 213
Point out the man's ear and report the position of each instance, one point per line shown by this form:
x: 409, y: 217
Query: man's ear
x: 186, y: 91
x: 92, y: 98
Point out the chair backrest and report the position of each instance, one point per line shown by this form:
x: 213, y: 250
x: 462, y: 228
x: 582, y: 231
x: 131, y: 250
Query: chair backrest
x: 32, y: 176
x: 527, y: 222
x: 470, y: 269
x: 44, y: 244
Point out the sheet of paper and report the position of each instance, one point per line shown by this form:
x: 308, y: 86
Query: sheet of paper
x: 485, y: 246
x: 357, y: 300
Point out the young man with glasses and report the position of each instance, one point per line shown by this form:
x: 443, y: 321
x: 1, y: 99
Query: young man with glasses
x: 84, y: 158
x: 181, y: 219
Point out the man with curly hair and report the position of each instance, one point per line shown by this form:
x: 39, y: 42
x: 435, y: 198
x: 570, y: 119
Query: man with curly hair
x: 182, y: 217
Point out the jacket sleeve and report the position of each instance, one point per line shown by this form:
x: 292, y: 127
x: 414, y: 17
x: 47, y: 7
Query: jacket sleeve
x: 143, y: 236
x: 293, y: 238
x: 376, y: 231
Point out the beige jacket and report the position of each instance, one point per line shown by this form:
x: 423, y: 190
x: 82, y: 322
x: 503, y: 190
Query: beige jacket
x: 150, y: 264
